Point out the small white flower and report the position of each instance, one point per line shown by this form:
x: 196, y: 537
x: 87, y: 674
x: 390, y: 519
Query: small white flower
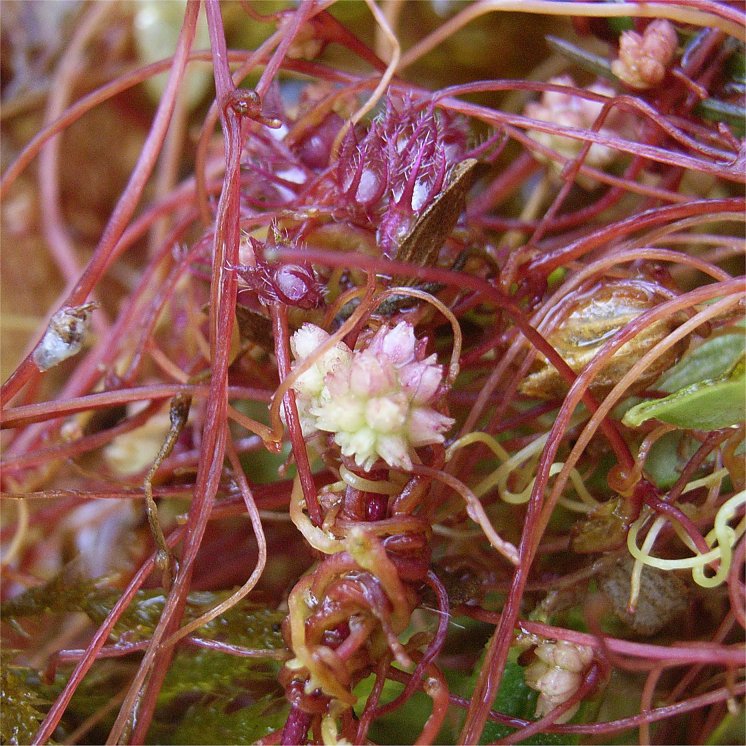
x: 568, y: 110
x: 310, y: 384
x: 387, y: 414
x: 376, y: 401
x: 565, y: 655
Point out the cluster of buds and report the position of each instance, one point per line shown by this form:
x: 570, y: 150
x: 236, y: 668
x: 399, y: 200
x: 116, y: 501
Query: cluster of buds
x: 644, y: 59
x: 281, y: 169
x: 377, y: 401
x: 385, y: 176
x: 295, y: 285
x: 398, y: 168
x: 557, y: 674
x: 570, y: 110
x: 307, y: 45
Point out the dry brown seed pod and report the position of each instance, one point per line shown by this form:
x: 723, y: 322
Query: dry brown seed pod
x: 64, y: 336
x: 663, y: 595
x: 589, y: 322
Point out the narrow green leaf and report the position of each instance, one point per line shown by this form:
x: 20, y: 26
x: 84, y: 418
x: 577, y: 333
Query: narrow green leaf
x: 712, y: 359
x: 581, y: 57
x: 704, y: 405
x: 721, y: 111
x: 515, y: 698
x: 731, y: 729
x: 735, y: 67
x: 667, y: 458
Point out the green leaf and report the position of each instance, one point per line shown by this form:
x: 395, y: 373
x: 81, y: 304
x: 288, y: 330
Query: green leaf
x: 712, y: 359
x: 730, y: 730
x: 515, y: 698
x: 715, y: 110
x: 668, y: 457
x: 210, y: 724
x: 735, y: 67
x: 704, y: 405
x: 414, y: 712
x: 664, y: 463
x: 621, y: 23
x: 156, y: 30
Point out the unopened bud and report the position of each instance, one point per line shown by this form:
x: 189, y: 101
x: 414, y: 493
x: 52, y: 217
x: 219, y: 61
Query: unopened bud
x: 643, y: 60
x: 557, y: 674
x: 64, y: 337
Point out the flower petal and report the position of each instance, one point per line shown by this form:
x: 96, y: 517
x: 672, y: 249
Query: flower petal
x: 426, y: 426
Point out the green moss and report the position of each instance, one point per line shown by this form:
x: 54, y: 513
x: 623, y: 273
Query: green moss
x: 208, y: 696
x: 22, y: 706
x: 244, y: 624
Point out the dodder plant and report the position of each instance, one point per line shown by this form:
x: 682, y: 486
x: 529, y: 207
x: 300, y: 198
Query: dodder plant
x: 470, y: 361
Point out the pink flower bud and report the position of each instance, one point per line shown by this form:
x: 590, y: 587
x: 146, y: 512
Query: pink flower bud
x: 643, y: 60
x: 421, y: 380
x: 426, y: 426
x: 397, y: 343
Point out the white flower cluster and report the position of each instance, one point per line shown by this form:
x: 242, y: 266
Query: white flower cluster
x: 557, y: 674
x: 568, y: 110
x: 375, y: 400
